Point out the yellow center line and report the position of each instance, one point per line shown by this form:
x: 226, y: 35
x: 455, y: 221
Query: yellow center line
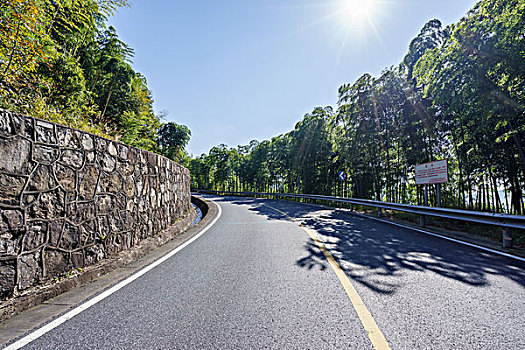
x: 369, y: 324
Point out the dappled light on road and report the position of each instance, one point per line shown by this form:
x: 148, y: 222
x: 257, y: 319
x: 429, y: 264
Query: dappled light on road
x: 377, y: 256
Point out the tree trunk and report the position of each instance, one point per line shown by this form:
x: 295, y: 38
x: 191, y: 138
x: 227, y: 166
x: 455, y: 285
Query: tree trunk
x: 107, y: 101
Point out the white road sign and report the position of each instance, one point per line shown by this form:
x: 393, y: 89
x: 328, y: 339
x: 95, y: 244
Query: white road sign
x: 432, y: 173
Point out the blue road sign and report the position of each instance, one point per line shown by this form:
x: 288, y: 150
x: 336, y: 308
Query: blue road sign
x: 342, y: 176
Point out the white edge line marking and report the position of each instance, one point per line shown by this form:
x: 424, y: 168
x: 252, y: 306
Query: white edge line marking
x: 498, y: 252
x: 67, y: 316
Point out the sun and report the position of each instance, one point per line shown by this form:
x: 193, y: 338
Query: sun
x: 359, y: 10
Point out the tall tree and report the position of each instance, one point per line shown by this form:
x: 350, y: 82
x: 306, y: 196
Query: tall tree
x: 172, y: 140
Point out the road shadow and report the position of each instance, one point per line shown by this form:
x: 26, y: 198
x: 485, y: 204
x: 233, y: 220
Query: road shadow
x: 377, y: 254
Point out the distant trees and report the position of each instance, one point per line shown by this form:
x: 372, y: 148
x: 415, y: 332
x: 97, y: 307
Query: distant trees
x: 458, y: 94
x: 59, y: 61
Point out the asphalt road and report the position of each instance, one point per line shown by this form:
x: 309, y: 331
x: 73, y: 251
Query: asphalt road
x: 256, y: 280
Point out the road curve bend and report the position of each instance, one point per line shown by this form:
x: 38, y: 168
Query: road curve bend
x: 258, y: 279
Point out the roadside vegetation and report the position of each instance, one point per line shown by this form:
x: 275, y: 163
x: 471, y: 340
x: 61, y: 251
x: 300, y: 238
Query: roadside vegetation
x: 458, y: 94
x: 59, y: 61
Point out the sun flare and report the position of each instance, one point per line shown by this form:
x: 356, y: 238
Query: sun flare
x: 359, y: 9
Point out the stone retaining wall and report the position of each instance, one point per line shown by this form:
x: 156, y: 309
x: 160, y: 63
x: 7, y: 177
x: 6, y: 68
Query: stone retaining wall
x: 69, y: 199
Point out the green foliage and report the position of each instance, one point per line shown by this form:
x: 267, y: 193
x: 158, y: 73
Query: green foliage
x: 24, y: 45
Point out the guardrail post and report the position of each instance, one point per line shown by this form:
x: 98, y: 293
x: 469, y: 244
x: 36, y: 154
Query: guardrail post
x: 379, y: 212
x: 507, y: 238
x: 422, y: 221
x: 351, y: 206
x: 422, y: 218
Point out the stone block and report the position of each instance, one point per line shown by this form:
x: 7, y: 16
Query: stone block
x: 130, y: 206
x: 29, y: 269
x: 94, y: 254
x: 23, y: 126
x: 123, y: 152
x: 9, y: 243
x: 142, y: 207
x: 88, y: 183
x: 152, y: 161
x: 112, y: 149
x: 73, y: 158
x: 67, y: 138
x: 28, y: 199
x: 7, y: 277
x: 14, y: 154
x: 56, y: 263
x: 107, y: 162
x: 105, y: 204
x: 35, y: 235
x: 45, y: 154
x: 153, y: 198
x: 101, y: 145
x: 55, y: 229
x: 142, y: 156
x: 139, y: 184
x: 66, y: 177
x: 77, y: 259
x: 154, y: 183
x: 10, y: 187
x: 13, y: 218
x: 49, y: 205
x: 4, y: 227
x: 90, y: 157
x: 141, y: 170
x: 110, y: 183
x: 42, y: 179
x: 45, y: 132
x: 87, y: 142
x: 70, y: 239
x: 127, y: 220
x: 132, y: 155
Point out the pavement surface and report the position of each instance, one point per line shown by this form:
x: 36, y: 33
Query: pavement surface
x: 256, y: 280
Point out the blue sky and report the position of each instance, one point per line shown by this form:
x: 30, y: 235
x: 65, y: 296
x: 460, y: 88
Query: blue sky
x: 234, y: 71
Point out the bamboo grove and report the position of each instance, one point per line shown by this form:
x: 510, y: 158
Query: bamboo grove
x: 59, y: 61
x: 458, y: 94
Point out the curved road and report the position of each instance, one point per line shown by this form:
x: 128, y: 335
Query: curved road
x: 256, y: 279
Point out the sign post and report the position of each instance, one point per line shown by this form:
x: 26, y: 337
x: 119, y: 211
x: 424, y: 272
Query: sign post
x: 342, y: 177
x: 431, y: 173
x: 438, y: 195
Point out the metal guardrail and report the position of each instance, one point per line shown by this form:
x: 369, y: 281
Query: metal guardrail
x: 506, y: 221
